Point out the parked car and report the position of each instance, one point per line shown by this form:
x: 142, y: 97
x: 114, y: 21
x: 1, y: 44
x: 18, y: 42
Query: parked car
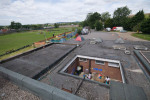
x: 108, y: 29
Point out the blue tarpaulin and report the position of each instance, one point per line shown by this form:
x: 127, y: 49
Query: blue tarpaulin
x: 54, y: 40
x: 62, y: 40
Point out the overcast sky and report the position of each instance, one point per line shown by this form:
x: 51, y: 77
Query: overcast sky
x: 51, y: 11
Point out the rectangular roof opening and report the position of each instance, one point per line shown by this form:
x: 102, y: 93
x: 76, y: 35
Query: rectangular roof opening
x: 95, y: 69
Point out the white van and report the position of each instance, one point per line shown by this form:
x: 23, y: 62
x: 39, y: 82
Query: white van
x: 119, y: 28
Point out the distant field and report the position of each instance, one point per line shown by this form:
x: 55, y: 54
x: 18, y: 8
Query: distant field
x: 17, y: 40
x: 142, y: 36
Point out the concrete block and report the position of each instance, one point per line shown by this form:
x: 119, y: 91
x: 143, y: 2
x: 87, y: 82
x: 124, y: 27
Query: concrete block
x: 142, y: 59
x: 2, y: 72
x: 42, y: 90
x: 13, y: 76
x: 92, y: 42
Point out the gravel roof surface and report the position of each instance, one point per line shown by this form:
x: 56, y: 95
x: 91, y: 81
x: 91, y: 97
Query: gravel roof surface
x: 9, y: 91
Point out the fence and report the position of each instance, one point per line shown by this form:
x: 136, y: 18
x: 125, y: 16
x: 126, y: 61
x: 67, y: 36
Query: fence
x: 70, y: 35
x: 11, y: 51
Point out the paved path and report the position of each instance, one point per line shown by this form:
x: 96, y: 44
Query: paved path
x: 128, y: 36
x: 111, y: 36
x: 102, y: 35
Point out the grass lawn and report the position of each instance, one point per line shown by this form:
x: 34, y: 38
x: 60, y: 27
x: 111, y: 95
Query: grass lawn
x: 142, y: 36
x: 20, y: 39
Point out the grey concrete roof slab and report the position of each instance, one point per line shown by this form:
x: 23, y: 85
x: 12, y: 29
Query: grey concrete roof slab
x: 119, y: 91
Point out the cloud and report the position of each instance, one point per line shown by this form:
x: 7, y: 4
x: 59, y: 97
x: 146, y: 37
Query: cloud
x: 50, y: 11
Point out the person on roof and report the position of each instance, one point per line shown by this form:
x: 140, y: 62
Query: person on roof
x: 53, y: 35
x: 107, y: 80
x: 100, y: 76
x: 90, y: 75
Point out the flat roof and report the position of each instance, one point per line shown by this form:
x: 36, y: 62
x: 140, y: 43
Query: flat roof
x: 33, y: 63
x: 103, y: 50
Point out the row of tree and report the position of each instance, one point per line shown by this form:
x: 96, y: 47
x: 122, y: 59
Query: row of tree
x: 17, y: 26
x: 120, y: 18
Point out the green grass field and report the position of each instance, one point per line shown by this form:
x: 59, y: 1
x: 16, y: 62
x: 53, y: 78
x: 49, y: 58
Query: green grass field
x: 142, y: 36
x: 17, y: 40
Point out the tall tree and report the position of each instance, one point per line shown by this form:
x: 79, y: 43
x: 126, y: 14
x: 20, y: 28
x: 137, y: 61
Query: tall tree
x: 145, y: 26
x: 98, y: 25
x: 139, y: 17
x: 12, y: 25
x: 125, y: 23
x: 105, y: 16
x: 109, y: 23
x: 84, y: 23
x: 92, y: 18
x: 120, y: 14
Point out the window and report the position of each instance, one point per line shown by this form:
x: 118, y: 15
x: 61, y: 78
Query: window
x: 99, y: 62
x: 83, y: 59
x: 113, y: 64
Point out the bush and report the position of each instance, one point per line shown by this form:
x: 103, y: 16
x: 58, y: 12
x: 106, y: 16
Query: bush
x: 145, y: 26
x: 98, y: 26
